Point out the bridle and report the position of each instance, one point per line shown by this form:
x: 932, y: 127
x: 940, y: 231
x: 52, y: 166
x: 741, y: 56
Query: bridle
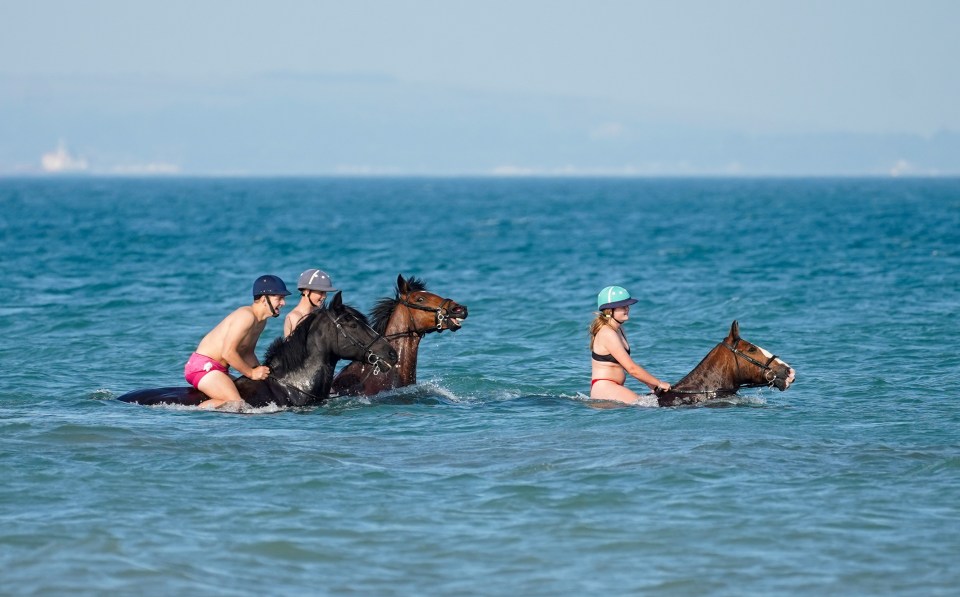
x: 769, y: 374
x: 441, y: 315
x: 369, y: 357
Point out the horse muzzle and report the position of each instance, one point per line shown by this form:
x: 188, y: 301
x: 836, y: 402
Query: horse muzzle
x: 783, y: 375
x: 453, y: 319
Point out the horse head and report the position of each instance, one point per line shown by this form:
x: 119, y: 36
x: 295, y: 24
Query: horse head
x: 756, y: 366
x: 355, y: 339
x: 403, y: 319
x: 429, y: 312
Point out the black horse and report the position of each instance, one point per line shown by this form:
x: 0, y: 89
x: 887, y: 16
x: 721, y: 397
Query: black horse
x: 734, y: 363
x: 301, y: 366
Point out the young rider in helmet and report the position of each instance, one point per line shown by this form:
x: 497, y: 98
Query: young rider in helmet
x: 610, y: 350
x: 314, y: 285
x: 232, y: 344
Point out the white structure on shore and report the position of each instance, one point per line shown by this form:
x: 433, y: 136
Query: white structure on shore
x: 61, y: 161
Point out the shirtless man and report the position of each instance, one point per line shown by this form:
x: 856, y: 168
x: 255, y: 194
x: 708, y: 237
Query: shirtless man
x: 232, y: 344
x: 314, y: 285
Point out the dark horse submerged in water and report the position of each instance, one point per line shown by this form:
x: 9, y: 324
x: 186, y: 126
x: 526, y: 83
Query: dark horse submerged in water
x: 403, y: 320
x: 734, y: 363
x: 301, y: 366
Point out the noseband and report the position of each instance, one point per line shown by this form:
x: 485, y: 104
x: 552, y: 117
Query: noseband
x: 370, y: 357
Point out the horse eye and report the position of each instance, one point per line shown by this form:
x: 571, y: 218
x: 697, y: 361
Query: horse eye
x: 419, y: 299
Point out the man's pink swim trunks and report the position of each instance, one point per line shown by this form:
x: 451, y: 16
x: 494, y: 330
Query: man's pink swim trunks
x: 198, y: 366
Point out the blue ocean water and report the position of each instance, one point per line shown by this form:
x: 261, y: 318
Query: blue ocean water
x: 494, y: 475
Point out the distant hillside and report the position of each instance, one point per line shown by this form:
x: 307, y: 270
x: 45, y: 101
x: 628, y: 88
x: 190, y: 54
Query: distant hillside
x: 292, y: 124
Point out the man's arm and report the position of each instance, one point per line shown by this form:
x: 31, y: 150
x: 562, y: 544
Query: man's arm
x: 238, y: 329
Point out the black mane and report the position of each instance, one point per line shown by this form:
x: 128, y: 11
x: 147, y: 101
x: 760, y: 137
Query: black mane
x: 384, y: 308
x: 286, y: 354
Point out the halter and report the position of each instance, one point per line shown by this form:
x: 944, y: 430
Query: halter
x: 769, y: 374
x: 441, y: 315
x: 370, y: 357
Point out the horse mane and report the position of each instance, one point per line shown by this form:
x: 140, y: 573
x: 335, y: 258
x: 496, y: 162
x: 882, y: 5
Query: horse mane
x: 383, y: 309
x: 286, y: 354
x: 696, y: 371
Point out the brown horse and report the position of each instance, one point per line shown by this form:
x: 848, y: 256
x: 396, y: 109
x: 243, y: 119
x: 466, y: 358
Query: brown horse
x: 731, y: 365
x: 403, y: 320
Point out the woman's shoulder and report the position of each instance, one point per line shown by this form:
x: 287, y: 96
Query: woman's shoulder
x: 606, y: 333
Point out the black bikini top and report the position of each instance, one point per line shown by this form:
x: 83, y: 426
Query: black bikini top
x: 606, y: 358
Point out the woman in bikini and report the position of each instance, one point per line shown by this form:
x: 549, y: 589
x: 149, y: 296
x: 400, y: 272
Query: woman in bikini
x: 610, y: 350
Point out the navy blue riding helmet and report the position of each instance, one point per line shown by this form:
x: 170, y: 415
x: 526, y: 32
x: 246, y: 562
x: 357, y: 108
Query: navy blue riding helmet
x: 269, y: 285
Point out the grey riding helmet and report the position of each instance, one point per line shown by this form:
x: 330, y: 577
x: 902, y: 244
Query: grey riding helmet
x: 315, y: 279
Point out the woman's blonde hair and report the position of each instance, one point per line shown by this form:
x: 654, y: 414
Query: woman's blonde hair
x: 602, y: 318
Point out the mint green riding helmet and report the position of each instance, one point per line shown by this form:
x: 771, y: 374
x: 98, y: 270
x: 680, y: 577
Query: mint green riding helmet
x: 612, y: 297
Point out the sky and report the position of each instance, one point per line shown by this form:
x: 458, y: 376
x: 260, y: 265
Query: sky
x: 738, y: 74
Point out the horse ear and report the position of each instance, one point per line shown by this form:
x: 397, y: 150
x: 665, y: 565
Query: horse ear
x: 337, y: 301
x: 402, y: 287
x: 735, y: 330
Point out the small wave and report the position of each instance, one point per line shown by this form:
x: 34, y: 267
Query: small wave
x: 102, y: 394
x: 754, y: 400
x: 236, y: 410
x: 648, y: 401
x: 421, y: 393
x: 643, y: 401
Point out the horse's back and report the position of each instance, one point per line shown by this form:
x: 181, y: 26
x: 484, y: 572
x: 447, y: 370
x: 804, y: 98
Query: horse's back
x: 184, y: 396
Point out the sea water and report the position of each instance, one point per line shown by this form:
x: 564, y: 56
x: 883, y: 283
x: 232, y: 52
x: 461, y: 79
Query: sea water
x: 494, y: 475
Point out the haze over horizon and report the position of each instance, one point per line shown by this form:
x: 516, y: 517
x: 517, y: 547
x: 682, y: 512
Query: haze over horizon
x: 436, y: 88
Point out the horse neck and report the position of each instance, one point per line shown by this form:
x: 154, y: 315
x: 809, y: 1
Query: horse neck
x: 717, y: 371
x: 323, y: 378
x: 314, y: 375
x: 406, y: 341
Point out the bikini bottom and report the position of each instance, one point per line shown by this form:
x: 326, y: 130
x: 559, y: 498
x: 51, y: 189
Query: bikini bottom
x: 593, y: 381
